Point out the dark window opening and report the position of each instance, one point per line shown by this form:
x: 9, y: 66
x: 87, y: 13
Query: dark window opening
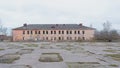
x: 31, y: 32
x: 70, y: 38
x: 62, y: 32
x: 23, y: 38
x: 78, y: 32
x: 83, y: 38
x: 27, y: 32
x: 70, y: 32
x: 39, y: 32
x: 23, y: 32
x: 46, y: 32
x: 54, y: 32
x: 83, y: 32
x: 43, y: 32
x: 51, y: 32
x: 59, y: 32
x: 59, y: 38
x: 75, y: 32
x: 67, y: 32
x: 35, y: 32
x: 46, y: 38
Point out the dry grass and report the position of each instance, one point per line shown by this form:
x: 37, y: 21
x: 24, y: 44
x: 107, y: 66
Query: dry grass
x: 1, y: 49
x: 50, y: 57
x: 113, y: 65
x: 31, y: 45
x: 110, y: 50
x: 21, y: 66
x: 114, y: 56
x: 9, y: 58
x: 24, y: 51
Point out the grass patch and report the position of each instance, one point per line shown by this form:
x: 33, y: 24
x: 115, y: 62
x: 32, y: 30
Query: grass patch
x: 24, y: 51
x: 1, y: 49
x: 84, y: 65
x: 9, y: 58
x: 15, y: 47
x: 114, y: 56
x: 21, y: 66
x: 110, y: 51
x: 50, y: 57
x: 113, y: 65
x: 46, y: 47
x: 31, y: 45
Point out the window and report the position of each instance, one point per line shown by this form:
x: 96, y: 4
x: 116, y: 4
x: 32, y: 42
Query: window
x: 46, y: 38
x: 54, y: 32
x: 54, y: 38
x: 67, y: 38
x: 59, y: 38
x: 31, y: 32
x: 78, y: 32
x: 79, y: 38
x: 46, y: 32
x: 75, y: 38
x: 70, y: 38
x: 23, y: 38
x: 35, y: 32
x: 59, y: 32
x: 83, y: 32
x: 27, y: 32
x: 70, y: 32
x: 67, y: 32
x: 74, y: 32
x: 83, y: 38
x: 39, y: 32
x: 62, y: 32
x: 51, y: 32
x: 43, y: 32
x: 23, y: 32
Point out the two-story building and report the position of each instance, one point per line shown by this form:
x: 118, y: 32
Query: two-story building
x: 53, y: 32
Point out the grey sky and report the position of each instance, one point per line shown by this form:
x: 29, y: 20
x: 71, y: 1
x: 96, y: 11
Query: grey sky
x: 14, y: 13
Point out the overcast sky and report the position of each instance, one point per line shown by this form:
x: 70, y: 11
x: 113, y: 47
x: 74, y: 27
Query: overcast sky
x: 14, y: 13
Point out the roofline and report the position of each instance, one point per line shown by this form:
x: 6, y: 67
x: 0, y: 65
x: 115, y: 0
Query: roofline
x: 88, y: 28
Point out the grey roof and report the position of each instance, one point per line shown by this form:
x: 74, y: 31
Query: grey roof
x: 53, y: 26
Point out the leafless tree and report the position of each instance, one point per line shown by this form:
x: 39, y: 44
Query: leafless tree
x: 3, y: 30
x: 107, y: 34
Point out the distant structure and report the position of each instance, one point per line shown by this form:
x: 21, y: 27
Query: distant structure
x: 53, y: 32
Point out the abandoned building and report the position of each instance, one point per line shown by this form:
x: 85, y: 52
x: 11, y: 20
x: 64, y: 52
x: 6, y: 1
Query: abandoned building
x: 52, y: 32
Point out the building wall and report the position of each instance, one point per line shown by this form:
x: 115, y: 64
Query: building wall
x: 19, y: 36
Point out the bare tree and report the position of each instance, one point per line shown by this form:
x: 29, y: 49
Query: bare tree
x: 3, y: 30
x: 107, y: 34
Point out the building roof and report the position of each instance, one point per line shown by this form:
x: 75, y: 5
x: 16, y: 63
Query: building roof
x: 52, y: 27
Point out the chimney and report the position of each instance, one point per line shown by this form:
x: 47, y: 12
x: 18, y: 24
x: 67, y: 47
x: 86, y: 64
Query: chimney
x: 80, y: 24
x: 25, y: 25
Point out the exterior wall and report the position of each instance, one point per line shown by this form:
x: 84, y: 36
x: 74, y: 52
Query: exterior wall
x: 19, y: 36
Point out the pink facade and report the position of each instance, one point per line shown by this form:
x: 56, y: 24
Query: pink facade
x: 53, y: 35
x: 19, y: 36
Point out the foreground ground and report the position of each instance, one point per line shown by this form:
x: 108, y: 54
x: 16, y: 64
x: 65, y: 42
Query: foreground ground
x: 59, y: 55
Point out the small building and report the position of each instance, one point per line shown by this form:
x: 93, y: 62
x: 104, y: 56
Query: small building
x: 53, y: 32
x: 2, y: 37
x: 5, y: 38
